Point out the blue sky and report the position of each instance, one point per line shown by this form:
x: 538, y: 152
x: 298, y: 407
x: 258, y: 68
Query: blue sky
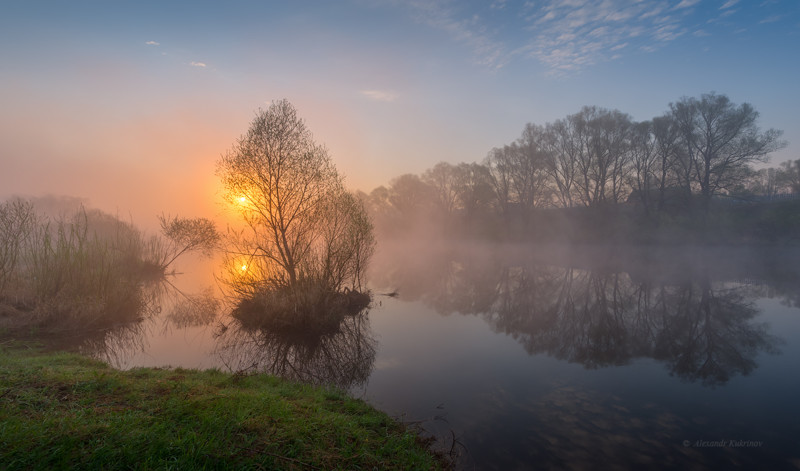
x: 129, y: 104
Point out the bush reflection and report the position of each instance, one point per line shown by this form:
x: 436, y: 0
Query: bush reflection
x: 340, y: 356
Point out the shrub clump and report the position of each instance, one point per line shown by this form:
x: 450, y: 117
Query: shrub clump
x: 308, y: 308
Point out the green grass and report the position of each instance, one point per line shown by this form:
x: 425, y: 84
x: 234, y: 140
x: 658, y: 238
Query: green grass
x: 64, y: 411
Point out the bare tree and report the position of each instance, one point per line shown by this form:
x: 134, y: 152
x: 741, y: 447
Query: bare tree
x: 644, y: 158
x: 603, y: 163
x: 412, y: 197
x: 720, y: 140
x: 519, y: 171
x: 17, y: 221
x: 500, y: 165
x: 790, y: 175
x: 283, y: 185
x: 657, y: 164
x: 763, y: 183
x: 614, y: 140
x: 564, y: 147
x: 473, y: 187
x: 669, y: 154
x: 529, y: 174
x: 186, y: 235
x: 442, y: 178
x: 346, y: 243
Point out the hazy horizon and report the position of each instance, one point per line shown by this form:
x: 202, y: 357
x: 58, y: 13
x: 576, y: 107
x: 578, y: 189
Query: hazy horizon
x: 130, y: 106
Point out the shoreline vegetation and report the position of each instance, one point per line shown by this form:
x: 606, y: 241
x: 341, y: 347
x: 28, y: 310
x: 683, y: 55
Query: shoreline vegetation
x: 83, y: 269
x: 62, y: 410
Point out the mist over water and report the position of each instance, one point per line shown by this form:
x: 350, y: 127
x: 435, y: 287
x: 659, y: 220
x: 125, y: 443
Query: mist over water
x: 569, y: 356
x: 515, y: 354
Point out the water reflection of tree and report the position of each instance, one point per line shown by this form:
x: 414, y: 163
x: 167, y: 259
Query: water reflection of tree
x: 600, y: 316
x: 701, y: 331
x: 114, y: 345
x: 117, y: 335
x: 158, y: 305
x: 341, y: 357
x: 191, y: 310
x: 711, y: 336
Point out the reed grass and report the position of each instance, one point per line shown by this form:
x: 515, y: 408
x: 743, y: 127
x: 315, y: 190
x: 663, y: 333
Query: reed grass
x: 84, y: 270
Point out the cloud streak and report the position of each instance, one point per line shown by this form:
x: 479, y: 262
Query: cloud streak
x: 770, y: 19
x: 153, y: 43
x: 197, y: 64
x: 686, y: 4
x: 380, y: 95
x: 465, y: 27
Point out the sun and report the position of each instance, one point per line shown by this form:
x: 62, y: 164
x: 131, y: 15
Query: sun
x: 242, y: 199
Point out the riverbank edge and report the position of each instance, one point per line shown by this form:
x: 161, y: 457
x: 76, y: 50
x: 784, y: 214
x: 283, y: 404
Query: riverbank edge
x: 61, y: 409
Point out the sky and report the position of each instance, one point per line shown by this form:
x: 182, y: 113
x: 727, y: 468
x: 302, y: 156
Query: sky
x: 130, y: 104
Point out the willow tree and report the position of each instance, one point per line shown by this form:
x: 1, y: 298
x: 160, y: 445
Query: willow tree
x: 302, y: 228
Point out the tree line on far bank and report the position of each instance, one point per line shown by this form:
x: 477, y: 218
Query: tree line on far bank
x: 672, y: 166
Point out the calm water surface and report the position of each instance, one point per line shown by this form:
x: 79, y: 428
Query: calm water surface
x: 534, y: 359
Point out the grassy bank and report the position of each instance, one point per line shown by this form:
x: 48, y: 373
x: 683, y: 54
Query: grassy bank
x: 61, y: 411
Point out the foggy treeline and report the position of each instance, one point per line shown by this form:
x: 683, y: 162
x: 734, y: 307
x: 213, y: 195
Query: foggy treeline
x: 671, y: 168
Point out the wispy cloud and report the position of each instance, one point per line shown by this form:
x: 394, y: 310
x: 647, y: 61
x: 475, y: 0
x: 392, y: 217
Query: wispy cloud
x: 571, y: 35
x: 464, y: 26
x: 770, y: 19
x: 567, y: 35
x: 564, y: 35
x: 380, y: 95
x: 153, y: 43
x: 668, y: 32
x: 686, y: 4
x: 197, y: 64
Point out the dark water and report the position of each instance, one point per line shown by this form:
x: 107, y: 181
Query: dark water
x: 551, y: 358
